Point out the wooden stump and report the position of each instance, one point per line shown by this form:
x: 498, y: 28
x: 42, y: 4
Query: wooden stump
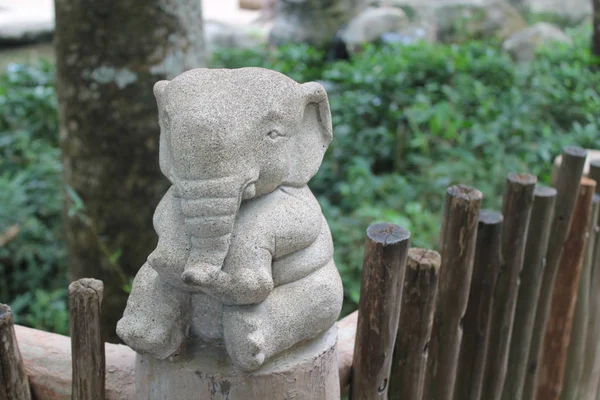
x: 516, y: 209
x: 575, y: 381
x: 562, y: 310
x: 13, y: 381
x: 384, y: 266
x: 457, y: 248
x: 414, y: 328
x: 87, y: 346
x: 567, y: 185
x: 473, y: 348
x: 529, y: 291
x: 309, y: 372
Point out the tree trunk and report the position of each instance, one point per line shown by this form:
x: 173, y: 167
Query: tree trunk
x: 109, y: 55
x: 596, y: 25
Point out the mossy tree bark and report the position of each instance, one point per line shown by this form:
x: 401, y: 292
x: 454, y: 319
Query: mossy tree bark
x: 596, y: 25
x: 109, y: 55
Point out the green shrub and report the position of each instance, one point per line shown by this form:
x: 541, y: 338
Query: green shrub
x: 411, y: 120
x: 32, y: 266
x: 408, y: 122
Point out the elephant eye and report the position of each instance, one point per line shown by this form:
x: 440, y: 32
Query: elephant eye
x: 274, y: 134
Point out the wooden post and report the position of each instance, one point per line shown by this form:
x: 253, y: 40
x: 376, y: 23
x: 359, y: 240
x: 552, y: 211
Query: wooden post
x: 567, y: 185
x: 87, y: 346
x: 457, y: 244
x: 531, y: 282
x: 416, y: 320
x: 516, y: 208
x: 577, y: 345
x: 564, y: 295
x: 488, y: 257
x: 591, y: 372
x: 384, y: 264
x: 13, y: 381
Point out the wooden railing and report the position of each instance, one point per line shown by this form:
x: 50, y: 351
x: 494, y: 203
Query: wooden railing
x: 508, y: 309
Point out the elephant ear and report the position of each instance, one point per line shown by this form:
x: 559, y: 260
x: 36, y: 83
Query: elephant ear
x: 164, y: 150
x: 159, y: 89
x: 314, y: 137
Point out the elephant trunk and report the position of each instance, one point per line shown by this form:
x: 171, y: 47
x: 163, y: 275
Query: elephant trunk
x: 209, y: 208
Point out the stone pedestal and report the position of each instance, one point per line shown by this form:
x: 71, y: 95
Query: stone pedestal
x: 309, y: 372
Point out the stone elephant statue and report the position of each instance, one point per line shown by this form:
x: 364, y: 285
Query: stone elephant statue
x: 244, y: 257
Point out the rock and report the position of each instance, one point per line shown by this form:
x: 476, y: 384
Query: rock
x: 412, y: 33
x: 219, y: 34
x: 460, y: 22
x: 315, y: 22
x: 574, y: 10
x: 523, y: 45
x: 371, y: 23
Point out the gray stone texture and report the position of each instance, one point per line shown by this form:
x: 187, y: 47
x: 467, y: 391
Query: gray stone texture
x: 244, y: 257
x: 522, y: 45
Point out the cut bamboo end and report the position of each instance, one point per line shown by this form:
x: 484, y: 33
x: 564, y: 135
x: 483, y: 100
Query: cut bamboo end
x: 387, y: 234
x: 522, y: 179
x: 423, y: 259
x: 464, y: 194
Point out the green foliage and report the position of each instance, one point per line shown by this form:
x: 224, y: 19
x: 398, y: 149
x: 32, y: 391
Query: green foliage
x: 408, y: 122
x: 411, y: 120
x: 32, y: 272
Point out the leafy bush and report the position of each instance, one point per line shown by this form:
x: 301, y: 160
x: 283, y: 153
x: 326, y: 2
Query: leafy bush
x: 32, y: 272
x: 411, y: 120
x: 408, y: 122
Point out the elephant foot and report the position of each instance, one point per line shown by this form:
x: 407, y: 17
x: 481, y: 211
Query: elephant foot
x: 246, y: 330
x: 160, y: 336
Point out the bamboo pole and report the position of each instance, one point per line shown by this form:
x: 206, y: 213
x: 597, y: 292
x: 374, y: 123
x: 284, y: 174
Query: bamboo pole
x: 87, y: 346
x: 531, y: 280
x: 560, y: 319
x: 416, y: 320
x: 516, y: 208
x: 577, y: 345
x: 14, y: 384
x: 457, y: 244
x: 567, y: 185
x: 477, y: 317
x: 384, y: 264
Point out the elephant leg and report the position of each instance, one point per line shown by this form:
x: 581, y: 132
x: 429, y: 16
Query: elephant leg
x: 292, y: 313
x: 155, y: 319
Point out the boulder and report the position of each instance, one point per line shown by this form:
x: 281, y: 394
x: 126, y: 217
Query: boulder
x: 460, y: 22
x: 522, y: 45
x: 315, y: 22
x: 218, y: 34
x: 418, y: 31
x: 573, y: 10
x: 371, y: 23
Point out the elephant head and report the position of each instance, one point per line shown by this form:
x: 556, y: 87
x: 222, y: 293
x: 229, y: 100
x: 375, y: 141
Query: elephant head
x: 232, y: 135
